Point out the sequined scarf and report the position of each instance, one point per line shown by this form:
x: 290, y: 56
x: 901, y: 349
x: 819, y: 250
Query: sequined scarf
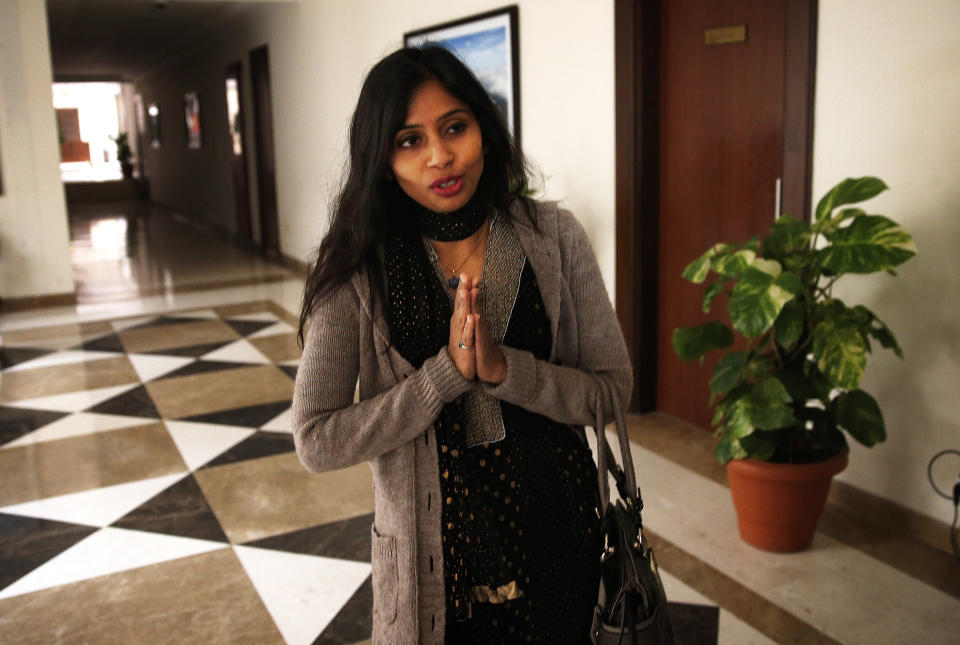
x: 418, y: 314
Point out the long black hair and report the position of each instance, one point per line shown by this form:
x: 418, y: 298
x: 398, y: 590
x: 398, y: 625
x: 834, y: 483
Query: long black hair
x: 364, y: 212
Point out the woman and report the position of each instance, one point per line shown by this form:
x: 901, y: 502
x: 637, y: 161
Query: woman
x: 478, y: 325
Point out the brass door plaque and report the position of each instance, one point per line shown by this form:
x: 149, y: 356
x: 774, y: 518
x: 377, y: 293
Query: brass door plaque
x: 726, y: 35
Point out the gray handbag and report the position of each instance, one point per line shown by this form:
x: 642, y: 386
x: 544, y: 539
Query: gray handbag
x: 631, y: 604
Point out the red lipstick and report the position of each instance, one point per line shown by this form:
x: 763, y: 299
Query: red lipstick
x: 447, y: 186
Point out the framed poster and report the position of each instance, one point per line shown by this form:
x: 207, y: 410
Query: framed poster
x: 191, y: 113
x: 487, y: 43
x: 153, y: 125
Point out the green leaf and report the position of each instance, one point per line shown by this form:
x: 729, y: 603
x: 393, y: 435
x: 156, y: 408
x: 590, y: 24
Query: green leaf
x: 787, y: 236
x: 760, y: 365
x: 738, y: 420
x: 849, y: 191
x: 858, y: 413
x: 717, y: 416
x: 770, y: 391
x: 693, y: 342
x: 840, y: 352
x: 788, y: 326
x: 760, y: 295
x: 873, y: 326
x: 728, y: 449
x: 766, y: 405
x: 883, y: 334
x: 758, y: 446
x: 846, y: 214
x: 714, y: 290
x: 728, y: 372
x: 772, y: 417
x: 730, y: 266
x: 697, y: 270
x: 871, y: 243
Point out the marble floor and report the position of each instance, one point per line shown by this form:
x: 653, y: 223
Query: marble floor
x: 126, y: 250
x: 149, y: 492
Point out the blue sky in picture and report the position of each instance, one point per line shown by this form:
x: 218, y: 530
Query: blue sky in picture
x: 485, y: 52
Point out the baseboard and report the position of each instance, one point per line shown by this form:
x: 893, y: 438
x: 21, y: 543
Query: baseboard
x: 26, y: 303
x: 891, y: 514
x: 295, y: 265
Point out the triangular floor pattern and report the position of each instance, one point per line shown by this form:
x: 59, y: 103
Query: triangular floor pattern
x: 107, y: 551
x: 179, y: 510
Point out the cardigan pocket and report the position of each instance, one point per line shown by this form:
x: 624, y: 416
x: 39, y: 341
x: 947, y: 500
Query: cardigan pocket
x: 384, y: 574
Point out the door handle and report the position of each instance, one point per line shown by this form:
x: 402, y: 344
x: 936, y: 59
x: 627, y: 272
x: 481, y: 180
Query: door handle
x: 776, y: 203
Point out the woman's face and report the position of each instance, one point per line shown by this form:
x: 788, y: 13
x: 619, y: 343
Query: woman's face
x: 438, y: 152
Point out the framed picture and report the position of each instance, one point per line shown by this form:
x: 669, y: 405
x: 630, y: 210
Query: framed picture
x: 191, y: 112
x: 487, y: 43
x: 153, y: 125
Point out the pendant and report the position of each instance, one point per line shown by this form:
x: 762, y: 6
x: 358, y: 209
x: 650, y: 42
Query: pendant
x: 453, y: 282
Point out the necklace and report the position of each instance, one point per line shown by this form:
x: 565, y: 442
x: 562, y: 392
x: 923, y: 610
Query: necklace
x: 454, y: 281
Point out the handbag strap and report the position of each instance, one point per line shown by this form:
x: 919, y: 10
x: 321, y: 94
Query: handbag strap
x: 626, y: 478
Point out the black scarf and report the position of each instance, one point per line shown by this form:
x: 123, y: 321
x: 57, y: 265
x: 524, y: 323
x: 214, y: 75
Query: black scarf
x: 455, y: 225
x: 418, y: 314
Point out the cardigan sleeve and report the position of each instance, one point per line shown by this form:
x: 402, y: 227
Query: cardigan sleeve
x: 331, y: 431
x: 569, y: 393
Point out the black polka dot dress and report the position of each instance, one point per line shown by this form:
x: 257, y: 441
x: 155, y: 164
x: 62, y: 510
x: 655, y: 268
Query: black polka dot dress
x: 537, y: 489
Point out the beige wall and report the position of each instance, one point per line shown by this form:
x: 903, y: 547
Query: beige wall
x: 888, y: 104
x: 34, y: 241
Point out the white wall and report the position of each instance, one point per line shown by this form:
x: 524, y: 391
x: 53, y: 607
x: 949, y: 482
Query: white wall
x: 320, y: 51
x: 34, y: 240
x: 888, y: 104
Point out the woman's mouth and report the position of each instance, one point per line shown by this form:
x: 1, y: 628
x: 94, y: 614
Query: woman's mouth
x: 447, y: 186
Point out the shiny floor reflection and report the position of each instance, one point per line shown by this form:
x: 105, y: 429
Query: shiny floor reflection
x: 134, y: 249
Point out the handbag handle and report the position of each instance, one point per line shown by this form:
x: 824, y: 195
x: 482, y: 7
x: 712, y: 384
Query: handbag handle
x: 625, y: 479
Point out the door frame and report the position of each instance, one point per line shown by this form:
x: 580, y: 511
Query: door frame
x: 264, y: 151
x: 243, y: 214
x: 637, y: 154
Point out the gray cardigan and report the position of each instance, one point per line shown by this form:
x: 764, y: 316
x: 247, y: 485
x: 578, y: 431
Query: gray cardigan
x: 392, y: 425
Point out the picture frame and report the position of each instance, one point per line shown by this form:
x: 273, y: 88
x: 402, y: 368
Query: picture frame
x: 191, y: 114
x: 153, y: 125
x: 489, y: 45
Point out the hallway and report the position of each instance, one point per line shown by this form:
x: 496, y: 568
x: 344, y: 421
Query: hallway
x: 149, y: 491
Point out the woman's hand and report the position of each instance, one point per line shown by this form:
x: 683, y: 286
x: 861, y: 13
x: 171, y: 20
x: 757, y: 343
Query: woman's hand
x: 462, y: 324
x: 491, y: 366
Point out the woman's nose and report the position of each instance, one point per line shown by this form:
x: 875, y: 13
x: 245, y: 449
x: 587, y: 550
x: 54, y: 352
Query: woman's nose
x: 440, y: 156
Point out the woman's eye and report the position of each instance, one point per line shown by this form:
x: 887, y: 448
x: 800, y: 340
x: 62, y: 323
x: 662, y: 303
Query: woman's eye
x: 407, y: 142
x: 456, y: 128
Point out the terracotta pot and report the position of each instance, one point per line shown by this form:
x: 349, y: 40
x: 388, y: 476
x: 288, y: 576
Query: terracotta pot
x: 778, y: 505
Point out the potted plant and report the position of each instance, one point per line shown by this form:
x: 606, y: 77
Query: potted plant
x: 784, y: 398
x: 124, y: 154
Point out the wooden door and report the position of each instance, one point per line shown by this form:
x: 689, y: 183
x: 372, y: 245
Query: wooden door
x: 703, y: 133
x: 238, y: 156
x: 721, y: 141
x: 266, y: 163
